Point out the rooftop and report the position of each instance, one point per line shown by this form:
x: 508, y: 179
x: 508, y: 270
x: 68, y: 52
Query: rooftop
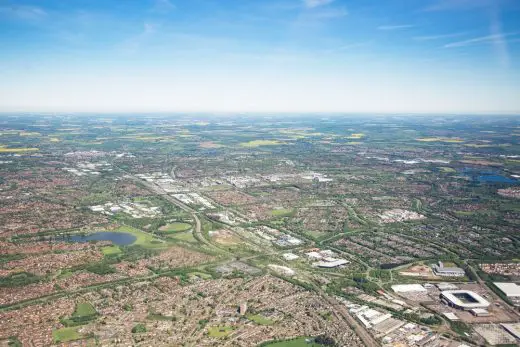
x: 451, y: 316
x: 404, y: 288
x: 509, y: 289
x: 458, y: 297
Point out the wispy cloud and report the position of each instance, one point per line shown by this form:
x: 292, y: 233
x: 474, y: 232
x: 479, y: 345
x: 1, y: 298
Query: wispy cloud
x: 496, y: 38
x: 348, y: 47
x: 438, y: 37
x: 395, y: 27
x: 479, y: 40
x: 163, y: 6
x: 23, y: 12
x: 499, y: 42
x: 316, y: 3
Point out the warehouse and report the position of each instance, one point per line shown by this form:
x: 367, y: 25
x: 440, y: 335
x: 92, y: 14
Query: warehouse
x: 408, y: 288
x: 510, y: 290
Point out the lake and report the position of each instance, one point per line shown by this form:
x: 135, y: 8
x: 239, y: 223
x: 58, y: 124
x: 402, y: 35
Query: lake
x: 487, y: 176
x: 117, y: 238
x: 496, y: 179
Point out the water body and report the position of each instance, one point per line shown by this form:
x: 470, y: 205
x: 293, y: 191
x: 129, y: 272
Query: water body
x: 117, y: 238
x: 496, y: 179
x: 483, y: 176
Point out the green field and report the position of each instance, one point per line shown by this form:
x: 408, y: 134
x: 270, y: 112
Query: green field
x: 18, y: 150
x: 283, y: 212
x: 184, y: 236
x: 142, y: 238
x: 175, y: 227
x: 83, y: 314
x: 108, y: 250
x: 220, y: 331
x: 200, y: 274
x: 440, y: 139
x: 66, y: 334
x: 259, y: 319
x: 84, y: 309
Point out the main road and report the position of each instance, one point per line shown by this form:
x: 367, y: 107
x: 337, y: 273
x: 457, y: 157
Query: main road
x: 197, y: 231
x: 340, y: 309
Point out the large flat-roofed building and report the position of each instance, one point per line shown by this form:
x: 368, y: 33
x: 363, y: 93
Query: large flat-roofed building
x: 408, y: 288
x: 463, y: 299
x: 331, y: 262
x: 511, y: 290
x: 513, y: 329
x: 480, y: 312
x: 440, y: 270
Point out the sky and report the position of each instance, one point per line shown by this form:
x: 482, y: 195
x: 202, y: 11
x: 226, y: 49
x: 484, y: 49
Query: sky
x: 353, y: 56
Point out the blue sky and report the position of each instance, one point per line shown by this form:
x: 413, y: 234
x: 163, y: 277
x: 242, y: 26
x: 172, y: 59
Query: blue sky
x: 438, y: 56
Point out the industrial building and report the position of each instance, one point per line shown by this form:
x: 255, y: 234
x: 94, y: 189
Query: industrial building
x: 408, y: 288
x: 510, y: 290
x: 513, y: 329
x: 446, y: 286
x: 480, y: 312
x: 331, y: 263
x: 440, y: 270
x: 451, y: 316
x: 463, y: 299
x: 370, y: 317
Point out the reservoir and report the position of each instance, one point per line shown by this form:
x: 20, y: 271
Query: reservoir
x: 117, y: 238
x: 482, y: 176
x: 496, y: 179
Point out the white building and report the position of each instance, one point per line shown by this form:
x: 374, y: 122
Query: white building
x: 440, y: 270
x: 370, y: 317
x: 331, y: 263
x: 511, y: 290
x: 408, y: 288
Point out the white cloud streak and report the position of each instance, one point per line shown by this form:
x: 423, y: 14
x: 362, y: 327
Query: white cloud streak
x: 394, y: 27
x: 493, y: 38
x: 438, y: 37
x: 499, y: 42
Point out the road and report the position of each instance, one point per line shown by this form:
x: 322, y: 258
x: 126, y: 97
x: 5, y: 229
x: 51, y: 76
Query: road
x: 364, y: 335
x: 197, y: 231
x: 338, y: 307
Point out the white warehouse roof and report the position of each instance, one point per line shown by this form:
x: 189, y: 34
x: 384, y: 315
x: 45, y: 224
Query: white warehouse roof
x: 509, y: 289
x: 406, y: 288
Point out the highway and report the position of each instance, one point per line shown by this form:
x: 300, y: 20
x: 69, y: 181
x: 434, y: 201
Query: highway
x: 197, y: 231
x: 339, y: 307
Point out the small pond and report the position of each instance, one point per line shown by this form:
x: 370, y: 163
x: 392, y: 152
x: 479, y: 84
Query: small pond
x: 117, y: 238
